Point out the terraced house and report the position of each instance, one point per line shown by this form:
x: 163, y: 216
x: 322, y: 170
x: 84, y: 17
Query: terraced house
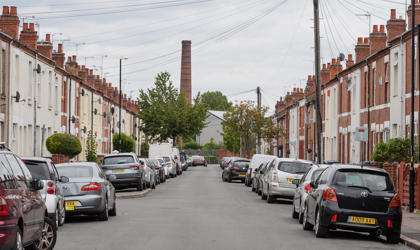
x: 372, y: 92
x: 41, y: 93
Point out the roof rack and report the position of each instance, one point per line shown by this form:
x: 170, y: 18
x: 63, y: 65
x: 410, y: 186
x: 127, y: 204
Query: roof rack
x: 4, y: 147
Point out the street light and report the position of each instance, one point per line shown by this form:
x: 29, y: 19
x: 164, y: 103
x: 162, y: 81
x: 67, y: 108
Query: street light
x: 119, y: 123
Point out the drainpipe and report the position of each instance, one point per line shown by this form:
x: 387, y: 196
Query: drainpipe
x: 9, y: 100
x: 368, y: 110
x: 69, y: 107
x: 35, y: 96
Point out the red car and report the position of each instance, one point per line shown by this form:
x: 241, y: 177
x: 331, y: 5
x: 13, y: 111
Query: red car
x: 23, y: 216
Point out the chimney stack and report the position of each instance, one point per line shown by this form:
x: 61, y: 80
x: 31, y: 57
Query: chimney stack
x: 325, y: 73
x: 377, y: 39
x: 46, y: 46
x: 362, y: 49
x: 59, y: 56
x: 417, y: 11
x: 186, y: 70
x: 350, y: 61
x: 9, y: 21
x: 394, y: 26
x: 29, y: 36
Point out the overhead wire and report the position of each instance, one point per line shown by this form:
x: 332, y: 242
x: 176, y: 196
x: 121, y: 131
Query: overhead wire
x: 361, y: 9
x: 336, y: 30
x: 346, y: 28
x: 328, y: 31
x: 351, y: 11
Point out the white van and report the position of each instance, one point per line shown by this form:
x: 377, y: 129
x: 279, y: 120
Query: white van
x: 256, y: 161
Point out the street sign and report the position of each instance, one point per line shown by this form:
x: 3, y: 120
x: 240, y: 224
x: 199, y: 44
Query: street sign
x: 361, y: 134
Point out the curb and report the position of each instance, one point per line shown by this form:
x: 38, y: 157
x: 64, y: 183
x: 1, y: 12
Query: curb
x: 410, y: 242
x: 131, y: 195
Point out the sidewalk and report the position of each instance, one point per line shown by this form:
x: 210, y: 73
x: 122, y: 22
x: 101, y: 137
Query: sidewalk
x: 410, y: 229
x: 128, y: 194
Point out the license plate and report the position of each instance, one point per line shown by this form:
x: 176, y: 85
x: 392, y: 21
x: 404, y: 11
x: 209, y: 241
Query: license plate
x: 361, y: 220
x: 118, y: 170
x: 289, y: 180
x: 242, y: 175
x: 70, y: 205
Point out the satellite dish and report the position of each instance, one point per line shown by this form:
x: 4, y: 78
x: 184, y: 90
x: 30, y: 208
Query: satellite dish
x: 38, y: 68
x: 114, y: 93
x: 112, y: 110
x: 84, y: 129
x: 73, y: 119
x: 95, y: 111
x: 99, y: 100
x: 83, y: 92
x: 342, y: 57
x: 17, y: 96
x: 104, y: 114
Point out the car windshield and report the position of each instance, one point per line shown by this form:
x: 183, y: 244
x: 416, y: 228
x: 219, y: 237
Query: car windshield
x: 39, y: 170
x: 316, y: 174
x: 167, y: 159
x: 75, y: 171
x: 364, y: 179
x: 241, y: 164
x: 122, y: 159
x: 293, y: 167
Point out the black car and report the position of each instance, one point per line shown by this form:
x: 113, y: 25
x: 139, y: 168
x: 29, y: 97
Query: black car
x: 353, y: 198
x: 236, y: 170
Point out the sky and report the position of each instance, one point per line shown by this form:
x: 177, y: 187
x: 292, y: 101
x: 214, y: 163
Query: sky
x: 237, y: 45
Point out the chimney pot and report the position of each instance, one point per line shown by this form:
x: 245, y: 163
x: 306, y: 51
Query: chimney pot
x: 13, y: 11
x: 83, y: 67
x: 25, y: 27
x: 309, y: 78
x: 48, y: 37
x: 338, y: 61
x: 69, y: 59
x: 60, y: 48
x: 382, y: 28
x: 366, y: 40
x: 5, y: 10
x: 350, y: 57
x: 375, y: 28
x: 328, y: 65
x: 288, y: 93
x: 360, y: 40
x: 74, y: 58
x: 109, y: 85
x: 31, y: 27
x: 91, y: 72
x: 97, y: 77
x: 393, y: 14
x: 333, y: 61
x: 78, y: 67
x: 104, y: 80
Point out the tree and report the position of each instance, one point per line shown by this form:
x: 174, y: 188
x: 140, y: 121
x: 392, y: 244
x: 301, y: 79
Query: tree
x: 63, y: 144
x: 91, y: 148
x: 166, y: 113
x: 395, y: 150
x: 145, y: 148
x: 192, y: 145
x: 211, y: 145
x: 127, y: 143
x: 231, y: 138
x: 215, y: 100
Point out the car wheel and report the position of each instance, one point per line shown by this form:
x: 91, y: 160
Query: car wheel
x: 18, y: 242
x: 320, y: 231
x: 300, y: 217
x: 140, y: 186
x: 263, y: 196
x: 270, y: 198
x: 305, y: 224
x: 253, y: 189
x: 48, y: 236
x: 393, y: 238
x: 104, y: 215
x: 56, y: 218
x: 62, y: 217
x: 295, y: 215
x: 229, y: 179
x: 113, y: 211
x: 154, y: 185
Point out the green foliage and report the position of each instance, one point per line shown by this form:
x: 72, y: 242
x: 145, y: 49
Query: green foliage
x: 211, y: 159
x: 145, y: 148
x: 91, y: 148
x: 215, y: 100
x: 395, y: 150
x: 192, y: 145
x: 211, y: 145
x: 165, y: 113
x: 63, y: 144
x: 127, y: 143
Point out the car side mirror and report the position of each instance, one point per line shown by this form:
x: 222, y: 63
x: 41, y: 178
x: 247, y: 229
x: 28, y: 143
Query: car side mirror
x: 313, y: 184
x: 37, y: 184
x: 64, y: 179
x: 296, y: 182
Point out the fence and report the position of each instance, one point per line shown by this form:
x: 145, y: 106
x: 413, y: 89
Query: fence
x: 211, y: 156
x: 403, y: 184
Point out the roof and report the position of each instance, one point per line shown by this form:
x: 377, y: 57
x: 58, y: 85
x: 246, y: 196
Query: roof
x: 217, y: 114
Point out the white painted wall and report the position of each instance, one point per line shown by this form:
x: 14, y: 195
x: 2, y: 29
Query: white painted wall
x: 294, y: 132
x: 397, y: 91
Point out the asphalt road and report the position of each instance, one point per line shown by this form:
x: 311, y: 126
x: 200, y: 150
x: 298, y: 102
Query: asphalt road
x: 197, y: 211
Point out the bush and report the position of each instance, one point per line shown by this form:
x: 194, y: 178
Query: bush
x: 395, y: 150
x: 127, y: 143
x: 63, y: 144
x: 192, y: 145
x: 91, y: 149
x: 211, y: 145
x: 211, y: 159
x: 145, y: 149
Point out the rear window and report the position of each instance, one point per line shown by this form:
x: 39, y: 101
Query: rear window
x: 122, y: 159
x: 39, y: 170
x: 75, y: 171
x: 316, y: 174
x: 241, y: 164
x: 370, y: 180
x: 294, y: 167
x: 197, y: 158
x: 167, y: 159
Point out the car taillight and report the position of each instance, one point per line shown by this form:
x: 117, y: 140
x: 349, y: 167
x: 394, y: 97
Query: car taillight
x: 50, y: 189
x: 104, y: 168
x: 395, y: 202
x: 274, y: 177
x: 50, y: 184
x: 158, y: 168
x: 4, y: 208
x: 91, y: 187
x: 329, y: 195
x: 235, y: 168
x: 136, y: 167
x: 334, y: 218
x: 389, y: 224
x: 308, y: 188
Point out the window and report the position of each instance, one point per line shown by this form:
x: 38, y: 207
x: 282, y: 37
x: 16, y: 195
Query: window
x: 50, y: 89
x: 365, y: 102
x: 2, y: 70
x: 395, y: 79
x: 386, y: 72
x: 25, y: 170
x: 373, y: 88
x: 56, y: 99
x: 363, y: 179
x: 293, y: 167
x: 17, y: 72
x: 7, y: 179
x: 30, y: 79
x: 17, y: 171
x: 74, y: 171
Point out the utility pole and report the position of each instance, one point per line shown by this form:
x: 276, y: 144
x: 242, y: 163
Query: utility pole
x: 318, y: 82
x: 91, y: 113
x: 119, y: 122
x: 259, y: 111
x: 413, y: 85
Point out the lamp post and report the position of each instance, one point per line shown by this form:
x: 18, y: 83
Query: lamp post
x: 119, y: 117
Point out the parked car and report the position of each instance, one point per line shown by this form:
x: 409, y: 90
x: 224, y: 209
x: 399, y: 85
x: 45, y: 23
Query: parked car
x: 124, y: 170
x: 189, y: 162
x: 198, y: 160
x: 149, y: 173
x: 152, y: 164
x: 176, y: 161
x: 43, y: 169
x: 171, y: 167
x: 184, y: 162
x: 259, y: 176
x: 354, y: 198
x: 256, y: 161
x: 24, y: 220
x: 88, y: 191
x: 303, y: 187
x: 225, y: 162
x: 164, y: 166
x: 160, y: 170
x: 278, y: 178
x: 236, y: 170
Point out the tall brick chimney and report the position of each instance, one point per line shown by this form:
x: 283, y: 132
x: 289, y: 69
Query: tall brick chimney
x: 186, y: 69
x: 45, y: 47
x: 9, y: 21
x: 325, y: 73
x: 349, y: 61
x: 362, y: 49
x: 377, y: 39
x: 417, y: 17
x: 28, y: 35
x: 394, y: 26
x: 58, y: 56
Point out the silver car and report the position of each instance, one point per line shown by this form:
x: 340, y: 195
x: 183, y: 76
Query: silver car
x: 164, y: 165
x: 257, y: 181
x: 149, y: 173
x: 88, y: 191
x: 124, y: 170
x: 302, y: 190
x: 44, y: 169
x: 277, y: 180
x: 171, y: 166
